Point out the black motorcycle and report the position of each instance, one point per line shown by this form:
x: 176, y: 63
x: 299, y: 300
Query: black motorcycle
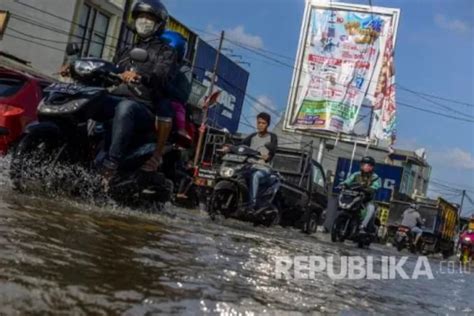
x: 351, y: 205
x: 230, y: 196
x: 60, y: 150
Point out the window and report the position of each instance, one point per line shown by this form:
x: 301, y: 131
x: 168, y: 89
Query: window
x: 10, y: 86
x: 317, y: 176
x: 91, y: 31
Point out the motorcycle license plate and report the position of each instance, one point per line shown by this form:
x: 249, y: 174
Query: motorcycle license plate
x: 66, y: 88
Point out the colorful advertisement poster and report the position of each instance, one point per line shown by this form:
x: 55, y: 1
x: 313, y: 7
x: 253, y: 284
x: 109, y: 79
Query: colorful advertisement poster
x: 340, y: 55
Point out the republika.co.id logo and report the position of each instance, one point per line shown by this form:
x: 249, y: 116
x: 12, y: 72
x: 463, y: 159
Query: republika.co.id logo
x: 352, y: 268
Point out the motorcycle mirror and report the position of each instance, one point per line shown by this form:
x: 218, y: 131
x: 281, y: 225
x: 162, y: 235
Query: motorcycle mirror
x: 72, y: 49
x: 139, y: 55
x: 4, y: 131
x: 212, y: 99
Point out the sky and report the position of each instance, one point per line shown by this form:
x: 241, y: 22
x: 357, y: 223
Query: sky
x: 434, y: 54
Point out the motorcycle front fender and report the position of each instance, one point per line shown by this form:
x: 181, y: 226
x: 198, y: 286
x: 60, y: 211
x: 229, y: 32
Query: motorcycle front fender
x: 44, y: 129
x: 226, y: 185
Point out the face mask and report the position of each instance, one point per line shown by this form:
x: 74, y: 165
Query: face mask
x: 145, y: 27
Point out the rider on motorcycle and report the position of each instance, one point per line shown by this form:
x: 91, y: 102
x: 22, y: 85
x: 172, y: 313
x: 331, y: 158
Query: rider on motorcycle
x: 411, y: 218
x: 135, y: 115
x: 266, y: 143
x: 370, y: 182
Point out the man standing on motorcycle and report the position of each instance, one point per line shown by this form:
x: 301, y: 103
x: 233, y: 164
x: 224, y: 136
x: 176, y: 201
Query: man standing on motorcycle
x: 411, y: 218
x: 266, y: 143
x: 370, y: 182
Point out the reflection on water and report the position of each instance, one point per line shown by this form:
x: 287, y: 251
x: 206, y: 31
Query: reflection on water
x: 63, y: 257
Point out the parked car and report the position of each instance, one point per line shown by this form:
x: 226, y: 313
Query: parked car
x: 20, y: 95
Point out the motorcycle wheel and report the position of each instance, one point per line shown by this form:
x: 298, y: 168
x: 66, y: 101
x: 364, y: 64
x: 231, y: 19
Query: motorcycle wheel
x: 216, y: 203
x: 337, y: 229
x: 446, y: 254
x: 310, y: 222
x: 30, y: 161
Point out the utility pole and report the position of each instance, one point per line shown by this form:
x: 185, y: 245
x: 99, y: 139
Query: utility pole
x: 322, y: 146
x: 202, y: 129
x: 462, y: 202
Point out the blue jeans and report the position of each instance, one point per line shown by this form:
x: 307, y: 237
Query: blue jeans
x: 369, y: 214
x: 132, y: 123
x: 258, y: 176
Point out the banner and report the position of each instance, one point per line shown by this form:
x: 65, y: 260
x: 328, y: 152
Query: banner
x: 231, y: 81
x: 340, y: 54
x: 384, y: 106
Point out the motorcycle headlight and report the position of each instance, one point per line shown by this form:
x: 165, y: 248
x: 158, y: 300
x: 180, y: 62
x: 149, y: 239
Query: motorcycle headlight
x: 85, y: 67
x: 227, y: 172
x: 68, y: 107
x: 467, y: 238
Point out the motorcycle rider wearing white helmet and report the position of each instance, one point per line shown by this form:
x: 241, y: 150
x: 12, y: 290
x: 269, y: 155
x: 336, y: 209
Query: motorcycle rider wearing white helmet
x: 411, y: 218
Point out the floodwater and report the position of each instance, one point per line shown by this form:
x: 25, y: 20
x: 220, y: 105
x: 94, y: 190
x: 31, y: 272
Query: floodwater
x: 62, y: 257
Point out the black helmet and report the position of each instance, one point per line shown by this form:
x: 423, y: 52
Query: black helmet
x: 368, y: 160
x: 155, y: 8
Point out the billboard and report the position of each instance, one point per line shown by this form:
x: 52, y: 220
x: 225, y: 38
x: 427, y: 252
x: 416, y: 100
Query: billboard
x: 391, y: 177
x: 231, y: 81
x: 339, y: 57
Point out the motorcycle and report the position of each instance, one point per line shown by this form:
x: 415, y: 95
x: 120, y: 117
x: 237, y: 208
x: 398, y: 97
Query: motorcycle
x: 404, y: 238
x: 466, y: 245
x: 66, y: 142
x: 351, y: 205
x: 230, y: 195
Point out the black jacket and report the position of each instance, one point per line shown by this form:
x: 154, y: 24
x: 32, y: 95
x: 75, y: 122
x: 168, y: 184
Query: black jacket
x: 271, y: 148
x: 181, y: 86
x: 156, y: 72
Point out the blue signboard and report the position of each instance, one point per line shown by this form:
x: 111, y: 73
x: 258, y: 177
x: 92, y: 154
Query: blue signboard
x: 391, y: 177
x: 231, y: 80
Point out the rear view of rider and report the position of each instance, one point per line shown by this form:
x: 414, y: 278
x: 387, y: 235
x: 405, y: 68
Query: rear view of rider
x: 135, y: 115
x: 370, y: 183
x: 411, y: 218
x: 266, y: 143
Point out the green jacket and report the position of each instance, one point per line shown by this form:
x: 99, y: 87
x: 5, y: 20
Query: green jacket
x: 374, y: 184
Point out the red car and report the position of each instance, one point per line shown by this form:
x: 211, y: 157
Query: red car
x: 20, y: 95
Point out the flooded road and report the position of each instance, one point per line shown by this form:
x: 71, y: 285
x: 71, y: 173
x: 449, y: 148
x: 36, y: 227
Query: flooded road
x: 62, y: 257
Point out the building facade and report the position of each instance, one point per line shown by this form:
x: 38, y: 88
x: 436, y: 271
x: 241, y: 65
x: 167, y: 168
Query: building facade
x: 38, y: 31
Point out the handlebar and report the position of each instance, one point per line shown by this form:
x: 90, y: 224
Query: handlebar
x: 117, y: 77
